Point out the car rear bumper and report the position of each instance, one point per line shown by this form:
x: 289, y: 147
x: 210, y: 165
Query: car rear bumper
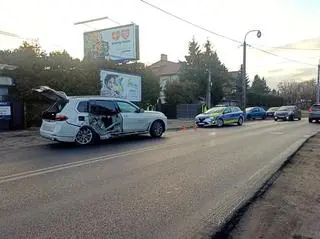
x: 54, y: 137
x: 314, y: 116
x: 62, y: 131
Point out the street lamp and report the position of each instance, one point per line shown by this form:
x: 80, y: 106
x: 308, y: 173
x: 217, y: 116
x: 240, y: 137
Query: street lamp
x: 244, y: 82
x: 318, y: 85
x: 95, y: 20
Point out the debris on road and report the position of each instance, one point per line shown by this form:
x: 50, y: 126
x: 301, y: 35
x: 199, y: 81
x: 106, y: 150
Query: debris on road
x: 290, y: 208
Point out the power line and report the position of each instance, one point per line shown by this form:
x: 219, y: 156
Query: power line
x: 282, y: 57
x: 188, y: 22
x: 289, y: 48
x: 220, y: 35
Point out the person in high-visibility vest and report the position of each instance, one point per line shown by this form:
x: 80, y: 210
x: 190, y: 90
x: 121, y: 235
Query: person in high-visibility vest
x: 204, y: 108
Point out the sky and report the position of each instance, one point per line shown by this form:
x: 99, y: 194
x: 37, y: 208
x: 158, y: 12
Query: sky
x: 284, y: 23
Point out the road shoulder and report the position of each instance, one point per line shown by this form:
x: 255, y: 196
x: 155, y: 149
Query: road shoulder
x: 290, y: 208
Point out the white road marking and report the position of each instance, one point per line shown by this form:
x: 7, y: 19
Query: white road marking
x: 60, y: 167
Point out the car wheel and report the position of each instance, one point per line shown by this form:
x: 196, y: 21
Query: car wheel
x: 299, y: 118
x: 291, y: 118
x: 157, y: 129
x: 275, y: 119
x: 85, y: 136
x: 240, y: 121
x: 248, y: 117
x: 219, y: 122
x: 310, y: 120
x: 264, y: 117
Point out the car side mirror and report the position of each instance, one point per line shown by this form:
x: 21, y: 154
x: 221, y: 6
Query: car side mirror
x: 140, y: 110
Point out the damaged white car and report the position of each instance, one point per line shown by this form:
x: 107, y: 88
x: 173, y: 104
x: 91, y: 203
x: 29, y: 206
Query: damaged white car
x: 85, y: 119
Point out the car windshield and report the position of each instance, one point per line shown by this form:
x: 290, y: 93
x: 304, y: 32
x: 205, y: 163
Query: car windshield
x: 249, y: 109
x: 215, y: 110
x: 273, y: 109
x: 286, y: 108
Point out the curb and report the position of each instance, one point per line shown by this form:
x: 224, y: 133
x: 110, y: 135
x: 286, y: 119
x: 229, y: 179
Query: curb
x: 233, y: 219
x: 180, y: 128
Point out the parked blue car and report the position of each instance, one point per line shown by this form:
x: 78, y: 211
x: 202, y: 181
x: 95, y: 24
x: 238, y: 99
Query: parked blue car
x: 255, y: 113
x: 220, y: 116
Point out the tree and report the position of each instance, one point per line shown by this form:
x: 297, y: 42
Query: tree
x: 259, y: 85
x: 237, y: 87
x: 60, y: 71
x: 293, y: 91
x: 195, y: 72
x: 178, y: 93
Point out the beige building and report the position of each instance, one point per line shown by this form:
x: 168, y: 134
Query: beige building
x: 166, y: 71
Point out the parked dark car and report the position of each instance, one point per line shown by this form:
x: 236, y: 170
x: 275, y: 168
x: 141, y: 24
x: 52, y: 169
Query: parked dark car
x: 289, y: 112
x: 270, y: 112
x: 314, y: 113
x: 255, y: 113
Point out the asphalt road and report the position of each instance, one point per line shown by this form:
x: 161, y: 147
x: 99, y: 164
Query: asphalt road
x: 180, y: 186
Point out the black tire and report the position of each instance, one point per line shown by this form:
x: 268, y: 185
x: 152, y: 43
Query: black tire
x: 264, y: 117
x: 299, y: 118
x: 85, y: 136
x: 310, y: 120
x: 220, y: 123
x: 291, y: 118
x: 249, y: 117
x: 275, y: 119
x: 240, y: 121
x: 157, y: 129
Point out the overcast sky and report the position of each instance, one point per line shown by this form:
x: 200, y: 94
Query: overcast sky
x: 291, y: 23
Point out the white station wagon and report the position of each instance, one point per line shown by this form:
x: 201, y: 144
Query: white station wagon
x: 85, y: 119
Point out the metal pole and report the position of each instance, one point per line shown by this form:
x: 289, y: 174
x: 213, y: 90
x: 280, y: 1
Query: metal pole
x: 209, y: 90
x: 95, y: 20
x: 318, y: 84
x: 244, y: 77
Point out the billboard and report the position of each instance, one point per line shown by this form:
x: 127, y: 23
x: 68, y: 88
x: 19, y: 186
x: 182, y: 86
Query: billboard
x: 120, y: 85
x: 116, y: 44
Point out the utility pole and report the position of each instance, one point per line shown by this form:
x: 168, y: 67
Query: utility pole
x: 244, y: 77
x: 209, y: 90
x: 318, y: 84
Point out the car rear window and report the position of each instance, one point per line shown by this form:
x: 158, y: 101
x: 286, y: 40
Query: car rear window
x: 57, y: 107
x: 316, y: 107
x: 285, y: 108
x: 54, y: 109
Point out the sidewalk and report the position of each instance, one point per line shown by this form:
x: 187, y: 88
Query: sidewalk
x: 30, y: 137
x: 290, y: 208
x: 176, y: 124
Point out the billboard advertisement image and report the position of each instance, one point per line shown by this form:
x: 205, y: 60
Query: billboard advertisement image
x: 116, y: 44
x: 120, y: 85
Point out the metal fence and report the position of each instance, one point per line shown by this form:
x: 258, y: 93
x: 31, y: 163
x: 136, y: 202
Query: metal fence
x: 188, y: 111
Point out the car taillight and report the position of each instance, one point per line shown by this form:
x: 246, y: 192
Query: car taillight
x: 61, y: 117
